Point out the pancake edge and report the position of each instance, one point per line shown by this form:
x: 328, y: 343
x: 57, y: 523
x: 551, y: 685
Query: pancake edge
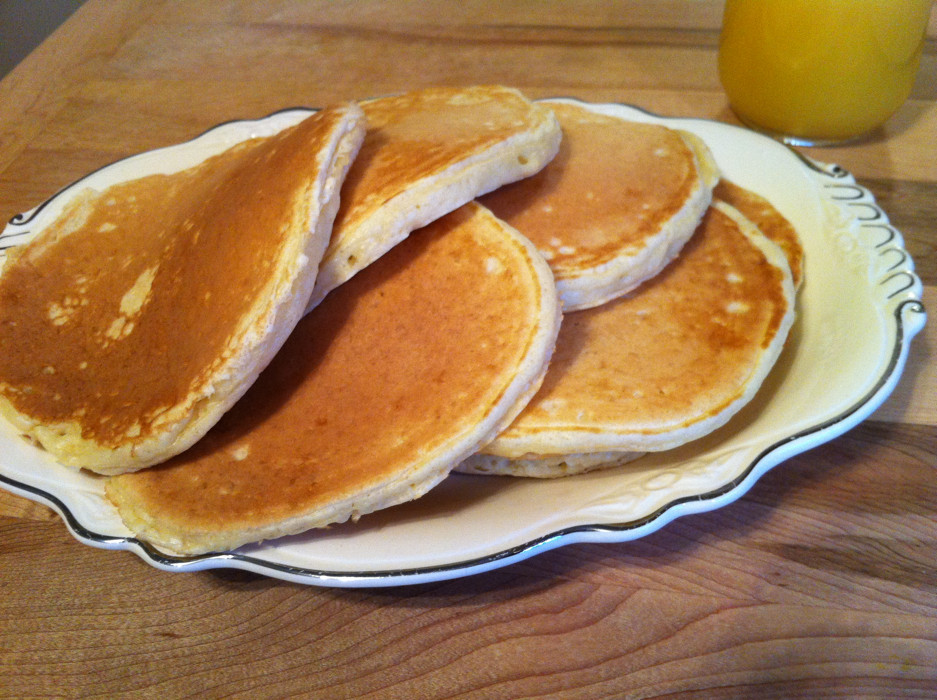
x: 259, y: 335
x: 433, y: 196
x: 624, y: 273
x: 545, y: 466
x: 570, y: 441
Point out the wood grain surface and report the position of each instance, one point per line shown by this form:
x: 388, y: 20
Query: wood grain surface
x: 821, y: 582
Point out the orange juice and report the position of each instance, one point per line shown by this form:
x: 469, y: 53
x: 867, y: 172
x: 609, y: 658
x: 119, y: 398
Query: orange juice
x: 820, y: 70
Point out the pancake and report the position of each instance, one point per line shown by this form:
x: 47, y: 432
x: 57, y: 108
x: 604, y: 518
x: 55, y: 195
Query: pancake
x: 426, y: 153
x: 769, y: 221
x: 660, y: 367
x: 614, y: 206
x: 396, y: 377
x: 142, y: 313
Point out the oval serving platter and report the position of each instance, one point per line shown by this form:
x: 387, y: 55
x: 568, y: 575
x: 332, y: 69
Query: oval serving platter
x: 857, y: 275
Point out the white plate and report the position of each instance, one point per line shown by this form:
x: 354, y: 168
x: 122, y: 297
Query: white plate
x: 858, y: 310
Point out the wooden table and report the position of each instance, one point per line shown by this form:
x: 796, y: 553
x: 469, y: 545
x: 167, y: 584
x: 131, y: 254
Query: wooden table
x: 821, y: 582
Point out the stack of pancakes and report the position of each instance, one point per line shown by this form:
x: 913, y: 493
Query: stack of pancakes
x: 154, y: 332
x: 685, y: 329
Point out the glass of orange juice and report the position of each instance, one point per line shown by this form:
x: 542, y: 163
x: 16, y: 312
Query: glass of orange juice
x: 817, y: 72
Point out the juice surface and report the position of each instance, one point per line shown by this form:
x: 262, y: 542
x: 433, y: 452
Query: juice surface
x: 822, y: 70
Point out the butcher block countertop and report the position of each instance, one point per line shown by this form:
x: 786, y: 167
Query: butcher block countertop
x: 820, y: 581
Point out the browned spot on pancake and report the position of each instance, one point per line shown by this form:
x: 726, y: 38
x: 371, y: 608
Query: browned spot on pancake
x: 771, y: 222
x: 611, y: 186
x: 677, y: 351
x: 402, y: 360
x: 135, y: 295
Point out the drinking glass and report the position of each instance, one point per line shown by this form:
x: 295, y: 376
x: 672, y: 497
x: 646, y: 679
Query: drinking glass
x: 819, y: 72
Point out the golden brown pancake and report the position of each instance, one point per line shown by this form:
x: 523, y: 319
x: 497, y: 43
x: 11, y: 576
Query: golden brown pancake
x: 397, y: 376
x: 426, y: 153
x: 614, y: 206
x: 662, y: 366
x: 134, y: 320
x: 768, y: 220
